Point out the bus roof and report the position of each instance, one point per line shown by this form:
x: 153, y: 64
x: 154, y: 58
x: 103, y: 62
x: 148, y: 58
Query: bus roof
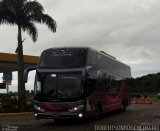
x: 89, y: 48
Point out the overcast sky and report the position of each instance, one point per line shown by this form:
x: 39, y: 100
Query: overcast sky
x: 127, y: 29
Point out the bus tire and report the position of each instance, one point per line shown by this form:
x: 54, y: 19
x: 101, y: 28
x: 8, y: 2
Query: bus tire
x: 123, y: 106
x: 98, y: 113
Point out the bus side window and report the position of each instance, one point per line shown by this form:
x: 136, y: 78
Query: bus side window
x: 113, y: 88
x: 107, y: 83
x: 119, y: 82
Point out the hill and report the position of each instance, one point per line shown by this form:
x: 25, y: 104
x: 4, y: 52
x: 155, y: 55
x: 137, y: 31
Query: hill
x: 145, y: 85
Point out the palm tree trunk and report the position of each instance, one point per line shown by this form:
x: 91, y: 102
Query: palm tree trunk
x: 21, y: 85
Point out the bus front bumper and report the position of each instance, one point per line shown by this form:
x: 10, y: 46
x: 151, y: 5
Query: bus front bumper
x: 59, y: 115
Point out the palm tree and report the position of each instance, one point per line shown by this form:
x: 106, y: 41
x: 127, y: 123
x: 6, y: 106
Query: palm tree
x: 24, y: 14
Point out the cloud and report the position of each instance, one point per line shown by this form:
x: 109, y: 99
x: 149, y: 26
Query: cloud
x: 126, y: 29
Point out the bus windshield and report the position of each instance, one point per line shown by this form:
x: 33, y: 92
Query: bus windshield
x: 62, y: 58
x: 58, y: 86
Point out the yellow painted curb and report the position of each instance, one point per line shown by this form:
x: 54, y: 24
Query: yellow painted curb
x: 18, y: 113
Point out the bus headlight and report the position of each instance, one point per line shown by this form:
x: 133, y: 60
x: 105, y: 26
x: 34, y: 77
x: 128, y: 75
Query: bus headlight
x: 38, y: 108
x: 77, y: 108
x: 80, y: 115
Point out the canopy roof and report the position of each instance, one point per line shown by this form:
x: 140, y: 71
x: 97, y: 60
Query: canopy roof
x: 8, y: 62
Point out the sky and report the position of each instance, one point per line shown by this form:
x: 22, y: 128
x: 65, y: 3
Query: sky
x: 127, y: 29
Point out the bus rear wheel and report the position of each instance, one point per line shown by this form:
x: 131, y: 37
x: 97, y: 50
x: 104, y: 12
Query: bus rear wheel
x: 98, y: 113
x: 123, y: 106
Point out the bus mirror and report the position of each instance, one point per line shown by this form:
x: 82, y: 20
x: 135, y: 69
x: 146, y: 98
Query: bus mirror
x: 26, y: 71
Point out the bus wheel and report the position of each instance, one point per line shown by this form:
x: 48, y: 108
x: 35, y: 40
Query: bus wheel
x: 123, y: 106
x: 98, y: 113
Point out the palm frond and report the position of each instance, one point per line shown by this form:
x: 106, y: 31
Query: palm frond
x: 31, y: 30
x: 7, y: 16
x: 10, y: 5
x: 33, y: 7
x: 49, y: 21
x: 25, y: 13
x: 46, y: 19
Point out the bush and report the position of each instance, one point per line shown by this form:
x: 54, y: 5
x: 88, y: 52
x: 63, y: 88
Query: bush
x: 10, y: 103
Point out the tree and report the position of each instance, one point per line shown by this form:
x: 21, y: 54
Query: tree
x: 24, y: 14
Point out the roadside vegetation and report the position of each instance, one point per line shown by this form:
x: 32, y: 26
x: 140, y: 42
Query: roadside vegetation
x: 145, y: 86
x: 9, y: 102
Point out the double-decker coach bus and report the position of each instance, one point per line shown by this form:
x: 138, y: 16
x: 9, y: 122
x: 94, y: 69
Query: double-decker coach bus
x: 78, y: 83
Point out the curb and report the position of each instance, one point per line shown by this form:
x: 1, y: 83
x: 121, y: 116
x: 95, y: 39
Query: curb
x: 13, y: 114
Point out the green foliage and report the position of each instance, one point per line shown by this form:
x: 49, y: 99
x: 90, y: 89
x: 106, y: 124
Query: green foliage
x: 145, y: 85
x: 10, y: 102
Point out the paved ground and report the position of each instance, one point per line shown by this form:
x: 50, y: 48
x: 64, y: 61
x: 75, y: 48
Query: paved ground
x: 137, y: 117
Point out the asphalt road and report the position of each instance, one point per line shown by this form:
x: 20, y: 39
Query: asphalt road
x: 136, y: 117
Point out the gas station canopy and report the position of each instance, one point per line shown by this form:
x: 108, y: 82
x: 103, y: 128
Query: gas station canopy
x: 8, y: 62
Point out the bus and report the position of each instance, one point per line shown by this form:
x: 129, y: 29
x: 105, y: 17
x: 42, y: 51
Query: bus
x: 78, y: 82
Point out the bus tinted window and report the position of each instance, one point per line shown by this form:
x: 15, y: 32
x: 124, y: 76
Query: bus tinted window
x: 62, y: 58
x: 114, y: 87
x: 58, y: 86
x: 70, y: 85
